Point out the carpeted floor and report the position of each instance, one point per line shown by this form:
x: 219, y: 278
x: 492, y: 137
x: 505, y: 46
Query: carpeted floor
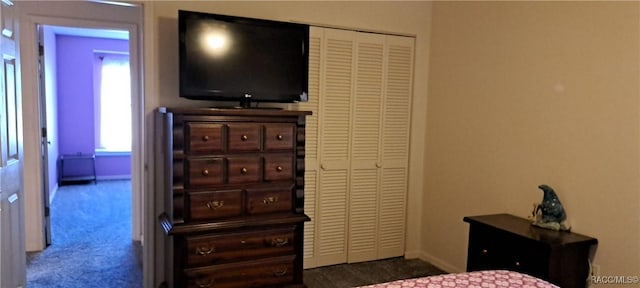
x: 92, y: 247
x: 367, y: 273
x: 91, y: 235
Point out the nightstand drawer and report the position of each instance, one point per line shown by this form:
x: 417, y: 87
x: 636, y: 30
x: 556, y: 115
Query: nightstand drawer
x: 270, y: 272
x: 218, y: 249
x: 491, y: 248
x: 210, y: 205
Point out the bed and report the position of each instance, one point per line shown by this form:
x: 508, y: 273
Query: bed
x: 478, y: 279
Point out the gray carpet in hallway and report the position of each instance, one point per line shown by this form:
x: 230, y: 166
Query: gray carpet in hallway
x: 92, y: 244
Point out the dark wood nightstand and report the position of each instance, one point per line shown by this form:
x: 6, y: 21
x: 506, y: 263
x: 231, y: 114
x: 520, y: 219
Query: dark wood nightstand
x: 504, y: 241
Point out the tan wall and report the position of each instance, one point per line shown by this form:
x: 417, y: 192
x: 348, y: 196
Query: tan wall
x: 525, y: 93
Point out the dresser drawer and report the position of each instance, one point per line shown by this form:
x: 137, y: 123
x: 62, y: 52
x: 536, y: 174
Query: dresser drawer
x: 218, y: 249
x: 209, y: 205
x: 244, y: 169
x: 269, y: 200
x: 204, y: 138
x: 270, y: 272
x: 278, y: 137
x: 204, y: 172
x: 278, y: 167
x: 244, y: 137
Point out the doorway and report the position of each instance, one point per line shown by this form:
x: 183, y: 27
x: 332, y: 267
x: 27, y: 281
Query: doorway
x: 66, y: 14
x: 77, y: 107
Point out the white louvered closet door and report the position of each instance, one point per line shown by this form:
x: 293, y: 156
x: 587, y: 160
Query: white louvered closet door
x: 394, y: 153
x: 365, y: 146
x: 357, y: 141
x: 335, y: 132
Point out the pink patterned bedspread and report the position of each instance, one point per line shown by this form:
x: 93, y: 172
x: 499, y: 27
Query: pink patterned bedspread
x: 478, y: 279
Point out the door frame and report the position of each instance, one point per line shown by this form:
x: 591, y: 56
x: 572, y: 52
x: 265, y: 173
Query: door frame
x: 55, y: 15
x: 44, y: 139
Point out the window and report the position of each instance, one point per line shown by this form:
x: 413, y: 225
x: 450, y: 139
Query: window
x: 113, y: 103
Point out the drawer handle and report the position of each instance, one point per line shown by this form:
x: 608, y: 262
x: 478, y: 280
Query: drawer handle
x: 244, y: 170
x: 204, y: 283
x: 280, y: 272
x: 205, y: 138
x: 205, y: 172
x: 279, y: 168
x: 279, y: 137
x: 270, y: 200
x: 244, y: 138
x: 213, y: 205
x: 279, y: 242
x: 204, y: 251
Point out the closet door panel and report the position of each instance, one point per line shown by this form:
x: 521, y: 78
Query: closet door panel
x: 363, y: 215
x: 332, y: 217
x: 310, y: 208
x: 397, y: 101
x: 336, y: 96
x: 336, y: 77
x: 395, y: 146
x: 367, y: 100
x: 365, y: 146
x: 392, y: 211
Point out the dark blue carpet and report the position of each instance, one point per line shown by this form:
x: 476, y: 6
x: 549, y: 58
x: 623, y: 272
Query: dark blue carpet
x: 92, y: 240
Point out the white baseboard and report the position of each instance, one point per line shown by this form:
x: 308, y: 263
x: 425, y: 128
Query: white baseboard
x: 114, y: 177
x: 441, y: 264
x: 413, y: 254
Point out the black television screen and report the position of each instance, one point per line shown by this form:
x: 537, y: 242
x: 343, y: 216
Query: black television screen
x: 227, y: 58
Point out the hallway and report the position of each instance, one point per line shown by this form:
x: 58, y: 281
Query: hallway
x: 92, y: 243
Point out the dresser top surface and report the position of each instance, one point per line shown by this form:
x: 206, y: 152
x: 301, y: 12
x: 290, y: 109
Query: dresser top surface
x: 234, y: 112
x: 523, y: 227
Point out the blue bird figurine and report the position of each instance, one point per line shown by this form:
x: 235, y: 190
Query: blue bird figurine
x: 550, y: 214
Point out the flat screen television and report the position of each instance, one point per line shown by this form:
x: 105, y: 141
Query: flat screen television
x: 228, y: 58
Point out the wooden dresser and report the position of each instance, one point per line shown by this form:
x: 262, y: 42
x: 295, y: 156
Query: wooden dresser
x: 233, y: 196
x: 504, y: 241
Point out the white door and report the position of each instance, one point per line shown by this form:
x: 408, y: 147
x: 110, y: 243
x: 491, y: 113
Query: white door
x: 12, y: 257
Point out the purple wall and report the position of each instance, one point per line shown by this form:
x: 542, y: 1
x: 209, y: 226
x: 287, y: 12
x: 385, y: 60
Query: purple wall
x: 76, y: 125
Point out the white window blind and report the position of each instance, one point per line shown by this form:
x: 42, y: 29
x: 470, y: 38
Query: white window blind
x: 113, y: 104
